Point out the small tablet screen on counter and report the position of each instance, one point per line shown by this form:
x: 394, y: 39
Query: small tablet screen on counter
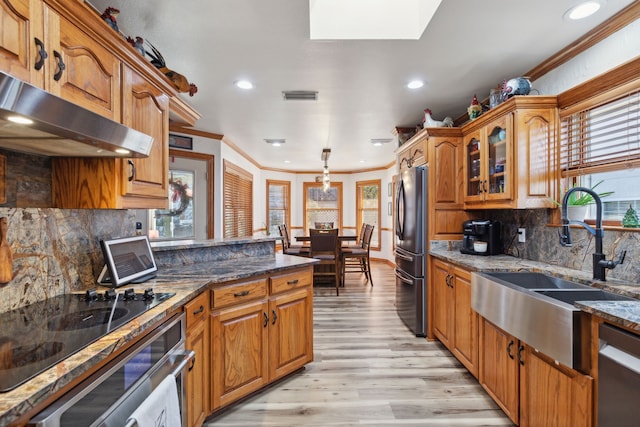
x: 127, y: 260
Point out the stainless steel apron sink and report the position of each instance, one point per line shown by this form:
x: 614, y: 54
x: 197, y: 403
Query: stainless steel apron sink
x: 538, y: 309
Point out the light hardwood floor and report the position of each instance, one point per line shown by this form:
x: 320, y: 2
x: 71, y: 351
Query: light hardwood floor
x: 369, y: 369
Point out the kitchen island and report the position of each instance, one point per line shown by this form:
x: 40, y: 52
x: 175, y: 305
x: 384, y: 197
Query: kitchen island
x: 226, y: 261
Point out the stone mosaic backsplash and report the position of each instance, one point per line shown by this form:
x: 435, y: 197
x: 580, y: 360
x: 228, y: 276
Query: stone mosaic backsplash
x: 57, y: 250
x: 542, y: 243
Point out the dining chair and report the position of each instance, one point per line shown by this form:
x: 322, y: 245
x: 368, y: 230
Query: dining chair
x: 325, y: 246
x: 287, y: 247
x: 357, y: 259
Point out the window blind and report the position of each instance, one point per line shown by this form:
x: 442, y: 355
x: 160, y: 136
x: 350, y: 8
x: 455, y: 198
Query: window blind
x: 601, y: 138
x: 237, y: 201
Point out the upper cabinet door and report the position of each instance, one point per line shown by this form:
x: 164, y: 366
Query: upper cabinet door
x: 22, y: 40
x: 146, y: 108
x: 81, y: 70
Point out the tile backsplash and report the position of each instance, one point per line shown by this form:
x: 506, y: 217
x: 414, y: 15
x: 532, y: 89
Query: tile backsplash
x: 543, y: 244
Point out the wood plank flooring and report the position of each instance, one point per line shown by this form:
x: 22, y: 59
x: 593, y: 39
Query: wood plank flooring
x: 369, y: 369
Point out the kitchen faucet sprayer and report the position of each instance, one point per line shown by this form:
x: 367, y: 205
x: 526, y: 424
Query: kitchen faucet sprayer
x: 600, y: 262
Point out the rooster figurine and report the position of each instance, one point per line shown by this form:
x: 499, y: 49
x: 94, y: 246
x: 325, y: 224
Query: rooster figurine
x: 430, y: 123
x: 179, y: 81
x: 138, y: 44
x: 110, y: 16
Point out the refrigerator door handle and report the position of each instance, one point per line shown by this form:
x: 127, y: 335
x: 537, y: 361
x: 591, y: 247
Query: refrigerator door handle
x: 400, y: 211
x: 403, y: 256
x: 404, y: 279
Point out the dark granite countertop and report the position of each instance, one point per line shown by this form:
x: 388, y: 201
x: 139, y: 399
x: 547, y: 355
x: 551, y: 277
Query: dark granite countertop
x: 625, y: 313
x: 185, y: 281
x: 170, y: 245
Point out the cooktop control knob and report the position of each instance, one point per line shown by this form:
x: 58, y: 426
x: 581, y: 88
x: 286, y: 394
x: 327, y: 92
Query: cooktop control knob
x: 91, y: 295
x: 148, y: 294
x: 110, y: 294
x: 129, y: 294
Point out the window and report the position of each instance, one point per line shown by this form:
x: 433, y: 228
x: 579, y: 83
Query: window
x: 278, y: 202
x: 368, y: 208
x: 237, y: 201
x: 322, y: 206
x: 600, y: 144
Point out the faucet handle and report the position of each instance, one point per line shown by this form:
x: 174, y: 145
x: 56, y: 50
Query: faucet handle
x: 612, y: 264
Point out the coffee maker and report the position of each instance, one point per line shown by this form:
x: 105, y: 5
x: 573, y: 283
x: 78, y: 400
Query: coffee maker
x: 482, y: 237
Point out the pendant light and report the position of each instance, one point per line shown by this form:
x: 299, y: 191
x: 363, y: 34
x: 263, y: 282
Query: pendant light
x: 326, y: 181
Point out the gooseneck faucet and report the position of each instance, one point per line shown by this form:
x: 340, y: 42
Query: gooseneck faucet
x: 600, y: 262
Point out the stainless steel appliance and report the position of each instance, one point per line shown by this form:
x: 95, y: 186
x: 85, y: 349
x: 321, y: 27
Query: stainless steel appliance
x: 109, y: 397
x: 481, y: 237
x: 411, y: 242
x: 618, y: 378
x: 40, y: 335
x: 52, y: 126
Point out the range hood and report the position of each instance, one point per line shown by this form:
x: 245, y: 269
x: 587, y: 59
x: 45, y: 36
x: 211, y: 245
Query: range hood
x: 60, y: 128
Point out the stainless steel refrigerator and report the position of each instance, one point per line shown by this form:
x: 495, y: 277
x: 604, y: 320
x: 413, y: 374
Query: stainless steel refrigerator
x: 410, y: 212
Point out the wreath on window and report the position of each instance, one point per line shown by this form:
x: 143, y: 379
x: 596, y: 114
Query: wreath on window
x: 179, y: 198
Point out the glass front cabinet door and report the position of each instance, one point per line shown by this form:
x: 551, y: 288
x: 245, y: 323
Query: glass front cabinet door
x: 489, y: 162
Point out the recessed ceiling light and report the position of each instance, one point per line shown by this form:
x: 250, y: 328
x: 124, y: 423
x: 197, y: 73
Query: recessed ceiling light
x: 361, y: 161
x: 287, y: 161
x: 275, y: 142
x: 415, y: 84
x: 583, y: 10
x: 244, y: 84
x: 378, y: 142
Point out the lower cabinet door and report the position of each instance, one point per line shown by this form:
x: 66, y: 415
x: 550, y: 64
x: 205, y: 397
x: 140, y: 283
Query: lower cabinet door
x: 197, y: 384
x: 499, y: 369
x: 552, y: 394
x: 291, y: 332
x: 239, y: 339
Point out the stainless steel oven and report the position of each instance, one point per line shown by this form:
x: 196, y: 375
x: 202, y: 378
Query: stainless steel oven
x: 109, y: 396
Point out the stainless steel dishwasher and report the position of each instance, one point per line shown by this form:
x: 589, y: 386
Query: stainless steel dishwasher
x: 618, y: 378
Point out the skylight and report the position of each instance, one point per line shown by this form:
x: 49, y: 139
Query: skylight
x: 370, y: 19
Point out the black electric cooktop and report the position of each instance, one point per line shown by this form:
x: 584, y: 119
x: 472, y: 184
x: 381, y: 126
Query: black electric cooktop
x: 36, y: 337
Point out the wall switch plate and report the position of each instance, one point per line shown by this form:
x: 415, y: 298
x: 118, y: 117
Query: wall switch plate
x: 522, y: 235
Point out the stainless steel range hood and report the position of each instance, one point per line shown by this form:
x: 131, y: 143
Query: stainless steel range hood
x: 61, y: 128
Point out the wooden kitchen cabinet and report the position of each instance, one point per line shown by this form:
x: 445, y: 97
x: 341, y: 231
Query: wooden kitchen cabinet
x: 498, y: 367
x: 261, y: 330
x: 510, y: 155
x: 455, y: 323
x: 552, y: 394
x: 445, y: 183
x: 197, y: 385
x: 413, y: 152
x: 47, y: 49
x: 116, y: 183
x: 531, y: 388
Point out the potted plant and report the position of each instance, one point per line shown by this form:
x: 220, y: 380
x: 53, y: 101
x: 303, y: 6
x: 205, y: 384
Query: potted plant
x: 579, y: 201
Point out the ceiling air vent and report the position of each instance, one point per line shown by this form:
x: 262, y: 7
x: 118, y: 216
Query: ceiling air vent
x: 300, y: 95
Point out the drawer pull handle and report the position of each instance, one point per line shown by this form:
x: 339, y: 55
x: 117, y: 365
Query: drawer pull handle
x: 266, y: 319
x: 42, y: 53
x: 193, y: 363
x: 199, y: 310
x: 133, y: 170
x: 292, y: 282
x: 509, y: 349
x: 241, y: 294
x: 520, y: 359
x: 275, y: 317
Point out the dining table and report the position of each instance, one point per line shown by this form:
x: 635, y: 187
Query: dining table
x: 342, y: 238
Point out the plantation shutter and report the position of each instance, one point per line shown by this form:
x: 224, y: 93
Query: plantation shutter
x: 237, y: 201
x: 601, y: 137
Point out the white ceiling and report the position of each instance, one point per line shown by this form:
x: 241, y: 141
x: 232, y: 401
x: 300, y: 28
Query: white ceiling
x: 467, y: 48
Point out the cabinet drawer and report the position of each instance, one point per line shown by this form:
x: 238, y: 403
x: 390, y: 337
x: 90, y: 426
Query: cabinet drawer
x: 238, y: 292
x: 197, y: 309
x: 286, y: 282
